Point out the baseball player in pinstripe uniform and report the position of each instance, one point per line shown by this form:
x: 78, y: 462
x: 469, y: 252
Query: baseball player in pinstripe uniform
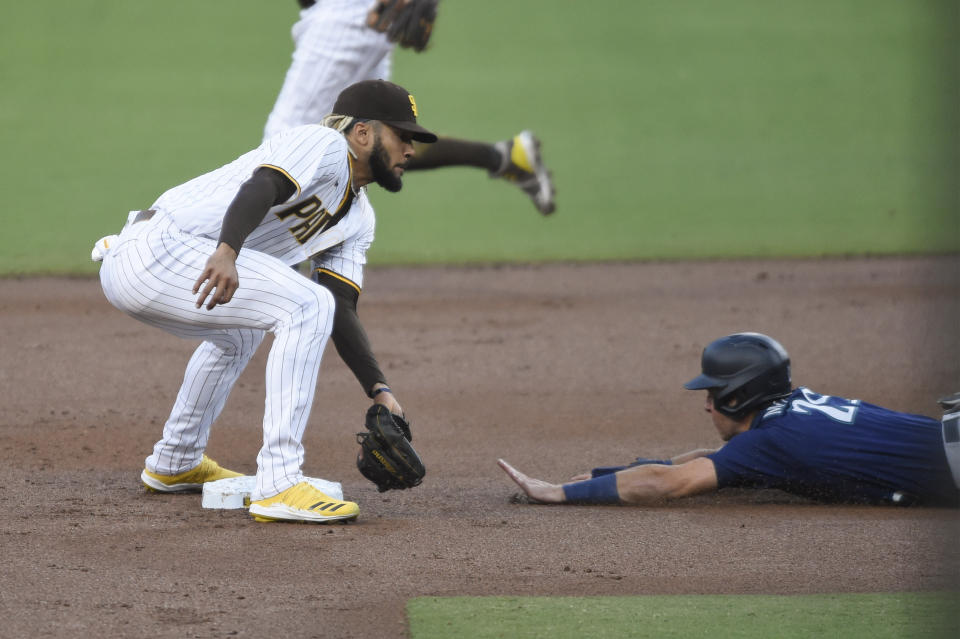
x: 337, y: 45
x: 818, y: 446
x: 210, y: 260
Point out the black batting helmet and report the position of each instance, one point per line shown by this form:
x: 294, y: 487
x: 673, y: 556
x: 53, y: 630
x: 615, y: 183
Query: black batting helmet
x: 743, y: 372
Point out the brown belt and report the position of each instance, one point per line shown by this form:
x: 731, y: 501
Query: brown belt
x: 143, y: 216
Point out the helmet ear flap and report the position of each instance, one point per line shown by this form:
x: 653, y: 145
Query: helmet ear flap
x: 731, y: 404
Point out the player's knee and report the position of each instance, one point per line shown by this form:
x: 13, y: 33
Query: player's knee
x: 249, y: 343
x: 241, y: 344
x: 326, y: 300
x: 317, y: 309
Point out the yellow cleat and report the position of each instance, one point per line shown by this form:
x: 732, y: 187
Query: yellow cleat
x: 523, y: 165
x: 189, y: 481
x: 303, y: 502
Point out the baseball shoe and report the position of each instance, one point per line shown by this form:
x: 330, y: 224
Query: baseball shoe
x: 950, y: 403
x: 523, y: 166
x: 303, y: 502
x: 190, y: 481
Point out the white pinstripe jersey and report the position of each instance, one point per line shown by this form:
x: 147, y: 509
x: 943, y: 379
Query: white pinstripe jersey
x: 323, y: 216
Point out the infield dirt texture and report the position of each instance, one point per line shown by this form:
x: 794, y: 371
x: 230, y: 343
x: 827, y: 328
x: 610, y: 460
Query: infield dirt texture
x: 676, y: 130
x: 555, y: 368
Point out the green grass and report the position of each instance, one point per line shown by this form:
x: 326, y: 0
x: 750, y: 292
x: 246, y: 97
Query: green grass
x: 674, y: 129
x: 852, y: 616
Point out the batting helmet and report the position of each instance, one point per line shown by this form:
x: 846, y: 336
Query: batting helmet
x: 743, y: 372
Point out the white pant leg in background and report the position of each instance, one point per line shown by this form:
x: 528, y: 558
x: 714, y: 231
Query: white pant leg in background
x: 950, y: 424
x: 150, y: 275
x: 333, y: 49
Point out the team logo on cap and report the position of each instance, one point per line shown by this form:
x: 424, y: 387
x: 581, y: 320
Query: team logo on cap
x: 413, y: 105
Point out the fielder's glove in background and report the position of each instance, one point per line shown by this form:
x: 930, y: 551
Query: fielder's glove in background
x: 386, y: 457
x: 409, y: 23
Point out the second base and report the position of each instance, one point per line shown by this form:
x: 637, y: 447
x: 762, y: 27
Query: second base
x: 235, y: 491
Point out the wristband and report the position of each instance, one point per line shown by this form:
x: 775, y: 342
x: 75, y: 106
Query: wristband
x: 382, y: 389
x: 601, y: 490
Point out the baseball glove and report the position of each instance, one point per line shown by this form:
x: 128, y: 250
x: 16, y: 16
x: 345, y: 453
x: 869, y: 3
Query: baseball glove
x: 386, y: 457
x: 409, y: 23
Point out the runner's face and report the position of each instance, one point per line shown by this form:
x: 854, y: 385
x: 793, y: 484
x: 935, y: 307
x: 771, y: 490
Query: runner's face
x: 726, y: 426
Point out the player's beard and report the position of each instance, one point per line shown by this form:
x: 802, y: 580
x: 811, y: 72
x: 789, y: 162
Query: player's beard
x: 380, y: 168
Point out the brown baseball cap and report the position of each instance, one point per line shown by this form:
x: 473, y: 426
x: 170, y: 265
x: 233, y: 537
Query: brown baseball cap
x: 384, y: 101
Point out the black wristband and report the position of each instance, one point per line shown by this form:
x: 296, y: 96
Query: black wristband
x: 599, y: 490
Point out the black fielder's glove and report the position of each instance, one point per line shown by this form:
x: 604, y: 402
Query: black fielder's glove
x: 386, y: 457
x: 409, y: 23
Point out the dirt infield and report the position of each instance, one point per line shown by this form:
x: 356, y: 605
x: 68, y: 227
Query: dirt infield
x: 557, y: 368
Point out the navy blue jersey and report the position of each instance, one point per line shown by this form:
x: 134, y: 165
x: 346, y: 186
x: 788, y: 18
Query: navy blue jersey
x: 835, y: 449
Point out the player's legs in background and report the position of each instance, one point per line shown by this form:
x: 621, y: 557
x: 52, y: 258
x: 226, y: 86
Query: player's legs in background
x: 150, y: 275
x: 517, y: 160
x: 333, y: 49
x: 455, y: 152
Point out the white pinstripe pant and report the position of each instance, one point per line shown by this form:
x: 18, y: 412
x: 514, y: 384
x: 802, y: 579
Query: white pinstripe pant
x: 150, y: 275
x: 334, y: 49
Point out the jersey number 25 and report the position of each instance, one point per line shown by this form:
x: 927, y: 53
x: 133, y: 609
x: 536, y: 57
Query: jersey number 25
x: 836, y: 408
